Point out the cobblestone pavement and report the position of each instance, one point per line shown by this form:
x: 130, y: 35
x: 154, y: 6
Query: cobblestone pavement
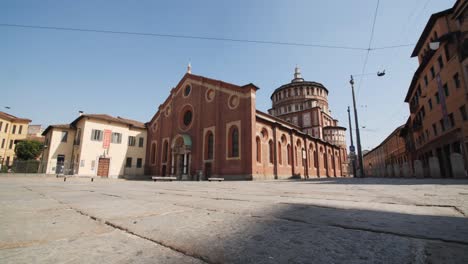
x: 47, y: 220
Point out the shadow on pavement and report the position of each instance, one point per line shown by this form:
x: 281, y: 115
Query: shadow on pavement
x: 388, y: 181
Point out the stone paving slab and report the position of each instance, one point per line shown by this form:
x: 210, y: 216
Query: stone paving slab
x: 46, y: 220
x: 113, y: 247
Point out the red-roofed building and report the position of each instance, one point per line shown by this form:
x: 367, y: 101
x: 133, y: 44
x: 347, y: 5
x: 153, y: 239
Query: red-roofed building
x: 211, y: 128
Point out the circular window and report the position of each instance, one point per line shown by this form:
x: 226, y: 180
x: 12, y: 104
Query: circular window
x: 168, y: 111
x: 187, y: 118
x: 233, y: 101
x: 210, y: 94
x: 187, y: 90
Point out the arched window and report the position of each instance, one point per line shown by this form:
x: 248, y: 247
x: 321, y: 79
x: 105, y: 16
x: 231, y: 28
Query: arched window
x: 295, y: 155
x: 288, y: 149
x: 234, y: 138
x: 280, y: 154
x: 259, y: 149
x: 270, y: 151
x: 165, y: 150
x: 315, y: 159
x: 153, y: 153
x: 209, y: 145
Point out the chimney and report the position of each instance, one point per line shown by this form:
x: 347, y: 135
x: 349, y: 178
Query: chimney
x: 80, y: 112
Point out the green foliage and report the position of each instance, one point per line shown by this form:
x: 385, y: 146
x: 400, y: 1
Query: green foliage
x: 28, y: 149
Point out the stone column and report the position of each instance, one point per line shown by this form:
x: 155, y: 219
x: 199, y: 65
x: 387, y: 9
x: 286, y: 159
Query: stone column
x: 172, y: 164
x: 458, y: 166
x: 434, y: 168
x: 396, y: 170
x: 389, y: 171
x: 406, y: 170
x: 185, y: 164
x: 418, y: 169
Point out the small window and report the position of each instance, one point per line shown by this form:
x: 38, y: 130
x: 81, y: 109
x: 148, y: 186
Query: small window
x: 20, y: 130
x: 456, y: 80
x: 1, y: 124
x: 187, y: 118
x: 451, y: 120
x: 463, y: 113
x: 139, y: 162
x: 3, y: 143
x: 153, y: 153
x: 11, y: 144
x: 165, y: 151
x: 234, y: 144
x: 140, y: 142
x: 441, y: 62
x: 447, y: 52
x: 442, y: 125
x: 187, y: 90
x: 64, y: 136
x: 14, y: 129
x: 96, y: 135
x: 271, y: 152
x: 259, y: 149
x: 116, y: 138
x: 446, y: 90
x: 6, y: 128
x: 128, y: 163
x: 131, y: 141
x: 209, y: 145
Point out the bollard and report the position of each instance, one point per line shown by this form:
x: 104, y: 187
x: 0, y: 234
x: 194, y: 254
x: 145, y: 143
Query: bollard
x: 92, y: 179
x: 64, y: 178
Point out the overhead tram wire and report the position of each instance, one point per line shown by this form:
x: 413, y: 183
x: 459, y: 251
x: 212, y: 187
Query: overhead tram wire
x: 369, y: 47
x: 280, y: 43
x: 184, y: 36
x: 413, y: 15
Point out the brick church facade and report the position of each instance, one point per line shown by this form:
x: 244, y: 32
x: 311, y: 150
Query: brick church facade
x: 211, y: 128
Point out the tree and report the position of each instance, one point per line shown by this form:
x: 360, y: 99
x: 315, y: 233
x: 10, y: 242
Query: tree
x: 28, y: 149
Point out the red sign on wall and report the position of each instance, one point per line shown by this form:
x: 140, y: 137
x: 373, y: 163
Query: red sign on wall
x: 107, y: 138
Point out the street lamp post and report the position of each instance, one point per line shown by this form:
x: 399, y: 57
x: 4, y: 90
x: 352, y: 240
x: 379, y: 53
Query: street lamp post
x: 358, y: 136
x: 351, y: 150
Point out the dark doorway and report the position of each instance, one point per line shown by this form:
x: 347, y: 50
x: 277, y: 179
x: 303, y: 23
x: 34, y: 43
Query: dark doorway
x: 163, y: 171
x: 447, y: 161
x: 59, y: 168
x: 208, y: 167
x: 440, y: 157
x: 103, y: 167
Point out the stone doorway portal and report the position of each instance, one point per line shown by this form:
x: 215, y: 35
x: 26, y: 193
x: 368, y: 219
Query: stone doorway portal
x: 181, y: 158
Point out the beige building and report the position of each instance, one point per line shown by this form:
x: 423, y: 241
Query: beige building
x: 12, y: 129
x: 95, y: 145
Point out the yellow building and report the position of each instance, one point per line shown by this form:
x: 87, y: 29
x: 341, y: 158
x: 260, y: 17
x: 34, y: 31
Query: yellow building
x: 95, y: 145
x: 12, y: 129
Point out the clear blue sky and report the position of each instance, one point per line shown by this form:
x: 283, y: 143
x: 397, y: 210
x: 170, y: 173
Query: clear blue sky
x: 48, y: 76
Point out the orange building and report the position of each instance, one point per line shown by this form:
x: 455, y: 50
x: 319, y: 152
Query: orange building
x: 437, y: 131
x: 210, y: 128
x: 389, y: 159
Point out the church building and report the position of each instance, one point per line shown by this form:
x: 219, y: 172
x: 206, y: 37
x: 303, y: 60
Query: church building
x: 210, y: 128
